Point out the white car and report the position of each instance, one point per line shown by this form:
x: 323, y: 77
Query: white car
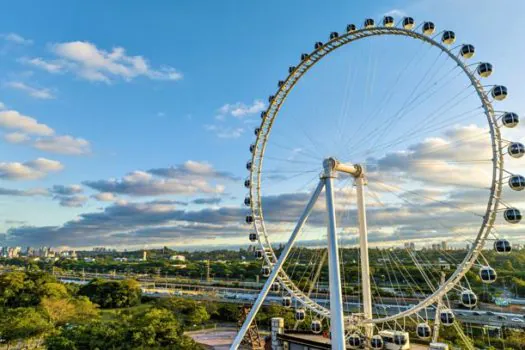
x: 516, y: 319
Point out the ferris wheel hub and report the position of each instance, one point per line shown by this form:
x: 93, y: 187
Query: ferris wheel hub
x: 332, y: 165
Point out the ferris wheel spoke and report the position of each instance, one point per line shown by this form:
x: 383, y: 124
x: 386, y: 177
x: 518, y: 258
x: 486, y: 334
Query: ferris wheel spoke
x: 408, y: 102
x: 396, y: 118
x: 416, y: 133
x: 364, y: 123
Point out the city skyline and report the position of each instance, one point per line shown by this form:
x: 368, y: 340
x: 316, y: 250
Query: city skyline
x: 140, y: 138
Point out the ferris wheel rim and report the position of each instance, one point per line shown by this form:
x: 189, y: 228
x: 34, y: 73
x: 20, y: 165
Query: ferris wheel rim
x: 262, y: 140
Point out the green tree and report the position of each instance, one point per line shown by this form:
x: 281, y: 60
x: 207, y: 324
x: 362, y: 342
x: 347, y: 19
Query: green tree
x: 112, y: 294
x: 63, y: 311
x: 22, y: 323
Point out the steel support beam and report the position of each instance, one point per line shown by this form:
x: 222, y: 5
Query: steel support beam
x: 276, y: 268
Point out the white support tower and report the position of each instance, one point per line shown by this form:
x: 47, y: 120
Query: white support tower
x: 331, y: 167
x: 437, y: 317
x: 365, y: 264
x: 337, y: 323
x: 276, y: 268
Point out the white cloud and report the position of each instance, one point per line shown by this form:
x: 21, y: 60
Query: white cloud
x: 11, y: 119
x: 462, y: 157
x: 31, y: 170
x: 63, y: 145
x: 2, y: 106
x: 225, y: 132
x: 16, y: 137
x: 198, y: 167
x: 140, y: 183
x: 43, y: 94
x: 105, y: 197
x: 66, y: 190
x: 94, y: 64
x: 396, y: 13
x: 24, y: 193
x: 26, y: 127
x: 16, y: 38
x: 240, y: 109
x: 237, y: 110
x: 192, y: 177
x: 49, y: 66
x: 74, y: 201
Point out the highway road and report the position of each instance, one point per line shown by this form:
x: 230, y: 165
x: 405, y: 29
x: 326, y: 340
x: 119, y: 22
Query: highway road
x: 492, y: 316
x: 473, y: 317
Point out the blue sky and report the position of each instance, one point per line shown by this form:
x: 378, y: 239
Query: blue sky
x: 116, y: 89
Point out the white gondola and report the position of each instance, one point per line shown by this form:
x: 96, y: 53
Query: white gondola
x: 517, y: 182
x: 334, y: 35
x: 316, y: 326
x: 276, y: 287
x: 468, y: 298
x: 376, y: 342
x: 467, y: 51
x: 408, y: 23
x: 351, y: 28
x: 516, y: 149
x: 398, y: 340
x: 487, y: 274
x: 428, y: 28
x: 300, y: 314
x: 512, y: 215
x: 499, y: 92
x: 388, y: 21
x: 247, y: 201
x: 369, y: 23
x: 286, y: 302
x: 484, y: 69
x: 265, y: 271
x: 502, y: 246
x: 258, y: 254
x: 355, y: 341
x: 446, y: 317
x: 448, y: 38
x: 510, y: 119
x: 318, y: 45
x: 249, y: 219
x: 253, y: 237
x: 423, y: 331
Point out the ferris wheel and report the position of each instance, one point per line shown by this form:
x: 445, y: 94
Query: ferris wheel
x: 415, y: 155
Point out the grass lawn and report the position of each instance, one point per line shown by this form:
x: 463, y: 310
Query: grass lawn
x: 111, y: 314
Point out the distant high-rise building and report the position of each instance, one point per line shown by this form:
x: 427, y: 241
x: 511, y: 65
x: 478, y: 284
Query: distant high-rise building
x: 443, y: 245
x: 410, y: 245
